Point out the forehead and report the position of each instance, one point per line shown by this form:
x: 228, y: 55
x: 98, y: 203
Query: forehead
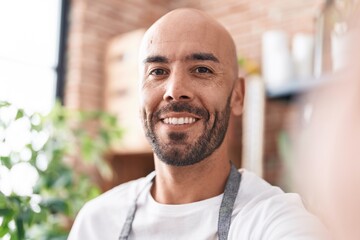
x: 180, y: 41
x: 181, y: 51
x: 184, y: 50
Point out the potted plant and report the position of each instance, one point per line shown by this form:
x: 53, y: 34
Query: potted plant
x: 50, y: 165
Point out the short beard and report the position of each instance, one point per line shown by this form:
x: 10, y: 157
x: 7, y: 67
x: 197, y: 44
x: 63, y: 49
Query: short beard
x: 194, y: 153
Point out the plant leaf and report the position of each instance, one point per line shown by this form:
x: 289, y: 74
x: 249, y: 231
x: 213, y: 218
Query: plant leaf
x: 6, y: 212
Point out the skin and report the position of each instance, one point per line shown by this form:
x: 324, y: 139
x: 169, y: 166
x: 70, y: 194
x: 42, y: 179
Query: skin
x: 188, y: 59
x: 326, y: 165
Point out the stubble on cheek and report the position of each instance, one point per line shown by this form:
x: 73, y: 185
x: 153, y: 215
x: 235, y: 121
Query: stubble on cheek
x: 148, y: 128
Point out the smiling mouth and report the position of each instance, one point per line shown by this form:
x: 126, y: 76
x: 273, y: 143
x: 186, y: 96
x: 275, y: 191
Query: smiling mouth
x: 179, y: 121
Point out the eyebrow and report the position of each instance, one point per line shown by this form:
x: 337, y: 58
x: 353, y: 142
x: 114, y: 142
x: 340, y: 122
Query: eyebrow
x: 156, y: 59
x: 202, y: 57
x: 191, y: 57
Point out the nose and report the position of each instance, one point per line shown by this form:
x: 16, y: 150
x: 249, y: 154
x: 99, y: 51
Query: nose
x: 178, y: 88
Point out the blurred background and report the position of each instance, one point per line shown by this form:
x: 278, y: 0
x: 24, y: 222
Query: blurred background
x: 69, y: 95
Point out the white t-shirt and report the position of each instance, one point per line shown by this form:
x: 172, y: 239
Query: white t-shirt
x: 261, y: 211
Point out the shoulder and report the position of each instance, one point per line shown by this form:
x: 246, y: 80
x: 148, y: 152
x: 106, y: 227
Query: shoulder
x: 116, y: 198
x: 254, y: 190
x: 122, y: 194
x: 264, y: 211
x: 257, y: 194
x: 106, y: 213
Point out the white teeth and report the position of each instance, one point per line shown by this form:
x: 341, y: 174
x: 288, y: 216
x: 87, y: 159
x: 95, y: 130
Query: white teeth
x: 179, y: 121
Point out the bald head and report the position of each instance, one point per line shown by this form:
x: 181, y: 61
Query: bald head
x: 197, y: 27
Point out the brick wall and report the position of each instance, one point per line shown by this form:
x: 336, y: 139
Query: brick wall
x: 94, y: 23
x: 246, y: 20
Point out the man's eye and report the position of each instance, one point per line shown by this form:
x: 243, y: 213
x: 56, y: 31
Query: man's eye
x: 203, y: 70
x: 158, y: 72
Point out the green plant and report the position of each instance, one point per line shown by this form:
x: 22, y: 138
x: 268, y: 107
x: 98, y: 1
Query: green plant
x: 63, y: 152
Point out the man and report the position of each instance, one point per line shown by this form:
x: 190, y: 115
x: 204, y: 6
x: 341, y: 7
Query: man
x: 189, y: 88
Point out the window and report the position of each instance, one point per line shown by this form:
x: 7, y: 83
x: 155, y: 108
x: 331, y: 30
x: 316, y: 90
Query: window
x: 29, y: 52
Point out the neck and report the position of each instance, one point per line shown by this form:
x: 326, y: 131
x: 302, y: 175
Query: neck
x: 180, y: 185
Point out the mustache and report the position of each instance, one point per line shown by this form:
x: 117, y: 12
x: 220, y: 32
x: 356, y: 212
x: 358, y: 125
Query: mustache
x: 182, y: 107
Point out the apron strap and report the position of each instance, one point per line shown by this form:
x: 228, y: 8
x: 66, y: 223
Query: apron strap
x: 125, y: 231
x: 228, y: 201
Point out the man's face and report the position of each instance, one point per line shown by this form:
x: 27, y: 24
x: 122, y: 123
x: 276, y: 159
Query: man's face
x: 187, y: 83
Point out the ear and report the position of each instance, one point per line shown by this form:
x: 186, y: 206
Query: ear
x: 237, y: 98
